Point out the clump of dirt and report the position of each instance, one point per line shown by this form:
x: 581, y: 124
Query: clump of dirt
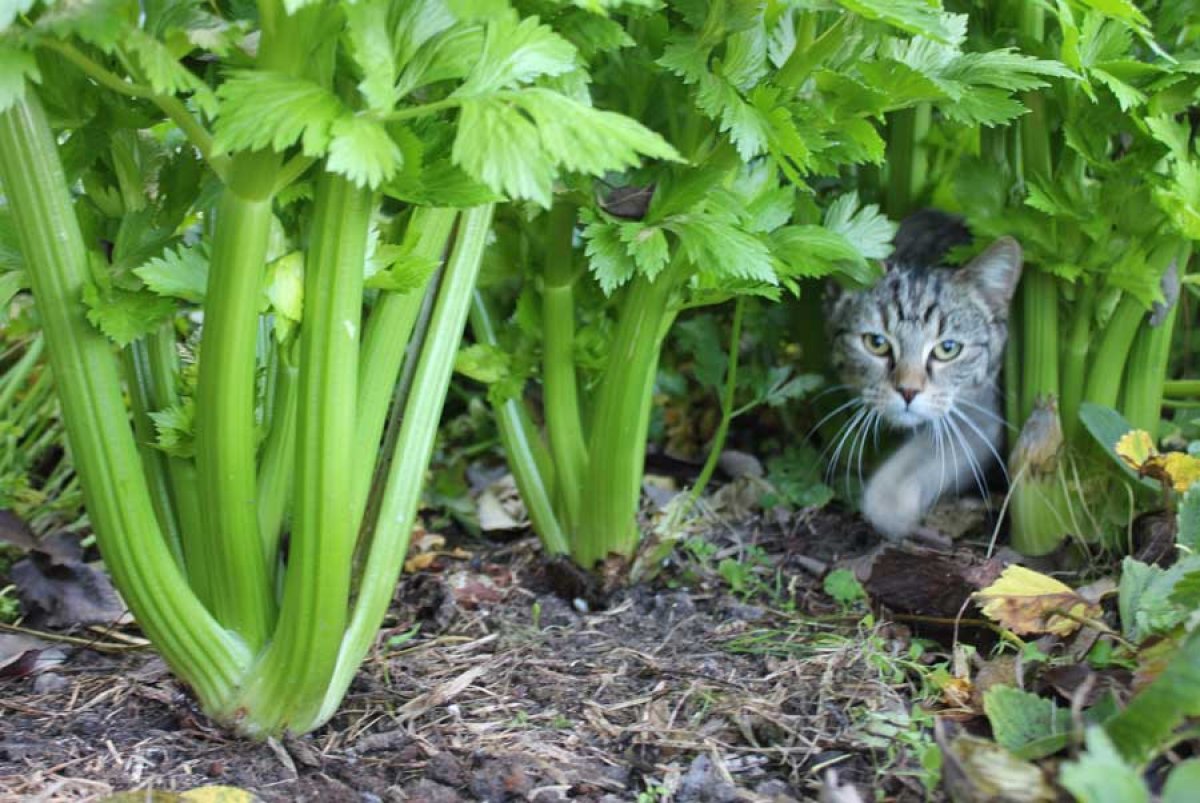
x: 485, y: 685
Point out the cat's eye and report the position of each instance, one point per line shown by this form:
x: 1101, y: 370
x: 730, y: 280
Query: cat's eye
x: 876, y: 343
x: 947, y: 350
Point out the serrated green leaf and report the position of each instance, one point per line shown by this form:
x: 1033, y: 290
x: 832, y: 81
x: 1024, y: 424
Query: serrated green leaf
x: 647, y: 245
x: 721, y: 249
x: 124, y: 316
x: 1127, y: 96
x: 17, y: 68
x: 268, y: 109
x: 744, y: 123
x: 175, y: 428
x: 180, y: 273
x: 102, y: 23
x: 914, y: 16
x: 985, y: 106
x: 362, y: 151
x: 1029, y: 726
x: 608, y: 257
x: 586, y: 140
x: 815, y: 252
x: 164, y: 72
x: 449, y: 55
x: 865, y: 227
x: 483, y: 362
x: 1174, y: 134
x: 402, y: 271
x: 371, y: 48
x: 1005, y: 68
x: 1100, y: 776
x: 592, y: 34
x: 516, y: 52
x: 499, y: 146
x: 1144, y: 596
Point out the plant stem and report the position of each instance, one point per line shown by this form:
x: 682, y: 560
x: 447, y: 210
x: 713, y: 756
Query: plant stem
x: 1149, y: 358
x: 242, y: 595
x: 907, y: 161
x: 1039, y: 340
x: 1188, y: 388
x: 1075, y: 361
x: 289, y: 684
x: 617, y: 443
x: 1108, y: 363
x: 564, y: 424
x: 526, y: 454
x: 276, y: 469
x: 390, y: 324
x: 414, y: 446
x: 718, y: 441
x: 204, y: 654
x: 136, y: 365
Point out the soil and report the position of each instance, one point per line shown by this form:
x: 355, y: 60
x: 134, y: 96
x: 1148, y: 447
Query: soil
x: 488, y: 683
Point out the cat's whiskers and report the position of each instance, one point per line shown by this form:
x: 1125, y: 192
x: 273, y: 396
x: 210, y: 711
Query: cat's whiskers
x: 840, y: 441
x: 941, y: 451
x: 972, y: 463
x: 979, y: 408
x: 986, y: 441
x: 865, y: 431
x: 856, y: 401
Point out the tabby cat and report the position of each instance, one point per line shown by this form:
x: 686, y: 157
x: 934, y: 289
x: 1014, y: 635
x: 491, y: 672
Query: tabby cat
x: 922, y: 349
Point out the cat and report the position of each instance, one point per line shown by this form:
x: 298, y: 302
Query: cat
x: 922, y: 349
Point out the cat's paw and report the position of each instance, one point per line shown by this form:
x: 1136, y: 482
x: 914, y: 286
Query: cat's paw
x: 892, y: 507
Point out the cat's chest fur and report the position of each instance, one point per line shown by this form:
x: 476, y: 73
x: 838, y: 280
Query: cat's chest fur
x: 922, y: 351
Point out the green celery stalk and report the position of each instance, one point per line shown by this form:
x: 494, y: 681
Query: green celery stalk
x: 1039, y: 339
x: 621, y: 420
x: 526, y: 453
x: 390, y: 322
x: 1108, y: 363
x: 287, y: 687
x: 207, y: 656
x: 1075, y: 361
x: 1142, y: 392
x: 564, y: 424
x: 414, y: 446
x: 276, y: 468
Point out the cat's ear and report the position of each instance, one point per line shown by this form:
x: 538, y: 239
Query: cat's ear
x: 995, y: 272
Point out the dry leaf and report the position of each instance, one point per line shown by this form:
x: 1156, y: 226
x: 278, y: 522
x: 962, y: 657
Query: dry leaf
x: 1177, y: 469
x: 1025, y: 601
x: 218, y: 794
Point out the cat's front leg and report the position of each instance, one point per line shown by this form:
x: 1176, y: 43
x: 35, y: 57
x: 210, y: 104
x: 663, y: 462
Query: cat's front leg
x: 897, y: 495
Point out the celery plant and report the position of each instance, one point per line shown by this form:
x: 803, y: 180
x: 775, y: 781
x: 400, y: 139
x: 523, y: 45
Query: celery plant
x: 1099, y: 183
x: 766, y: 104
x: 254, y: 191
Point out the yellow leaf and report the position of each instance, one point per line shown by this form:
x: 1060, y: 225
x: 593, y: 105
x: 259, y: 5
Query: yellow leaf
x: 218, y: 794
x: 1136, y: 447
x: 1025, y: 601
x: 1182, y: 469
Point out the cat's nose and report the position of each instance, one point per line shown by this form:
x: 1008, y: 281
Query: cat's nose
x: 908, y: 394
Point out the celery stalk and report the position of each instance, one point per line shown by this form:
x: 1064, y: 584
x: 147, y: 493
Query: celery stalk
x: 207, y: 656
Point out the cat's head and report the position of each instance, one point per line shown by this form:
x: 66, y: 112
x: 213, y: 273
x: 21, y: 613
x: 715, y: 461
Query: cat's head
x: 923, y: 338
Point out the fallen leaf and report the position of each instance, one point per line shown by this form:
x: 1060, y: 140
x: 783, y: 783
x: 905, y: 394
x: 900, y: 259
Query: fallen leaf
x: 975, y: 769
x: 58, y: 589
x: 500, y: 508
x: 1177, y: 469
x: 1025, y: 601
x: 22, y: 655
x: 218, y: 794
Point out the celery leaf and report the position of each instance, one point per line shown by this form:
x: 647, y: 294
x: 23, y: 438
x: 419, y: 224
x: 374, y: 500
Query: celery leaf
x: 362, y: 151
x: 269, y: 109
x: 371, y: 48
x: 177, y: 273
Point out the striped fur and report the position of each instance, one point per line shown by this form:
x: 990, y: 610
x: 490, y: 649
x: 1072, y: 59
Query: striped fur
x: 922, y: 310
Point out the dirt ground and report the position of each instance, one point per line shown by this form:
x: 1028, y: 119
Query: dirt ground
x: 494, y: 680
